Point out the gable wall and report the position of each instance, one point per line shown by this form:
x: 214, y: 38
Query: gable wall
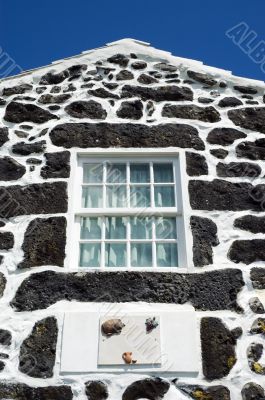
x: 217, y: 123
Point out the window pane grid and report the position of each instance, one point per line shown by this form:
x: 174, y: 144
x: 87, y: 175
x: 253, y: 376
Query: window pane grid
x: 127, y: 251
x: 136, y: 241
x: 106, y: 187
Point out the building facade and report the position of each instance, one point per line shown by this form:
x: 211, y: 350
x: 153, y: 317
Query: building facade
x: 132, y: 229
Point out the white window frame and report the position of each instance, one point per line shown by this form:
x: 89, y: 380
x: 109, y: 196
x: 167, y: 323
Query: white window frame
x: 123, y: 155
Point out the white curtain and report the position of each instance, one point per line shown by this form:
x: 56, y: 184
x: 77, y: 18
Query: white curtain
x: 167, y: 255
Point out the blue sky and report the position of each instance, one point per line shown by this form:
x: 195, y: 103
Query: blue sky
x: 36, y: 32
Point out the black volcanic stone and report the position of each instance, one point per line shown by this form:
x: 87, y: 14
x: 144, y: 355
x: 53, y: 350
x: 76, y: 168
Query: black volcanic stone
x: 10, y: 169
x: 252, y: 118
x: 252, y: 150
x: 2, y: 366
x: 258, y: 327
x: 6, y: 240
x: 54, y: 107
x: 41, y: 89
x: 254, y: 351
x: 110, y: 85
x: 2, y: 284
x: 54, y: 79
x: 5, y: 337
x: 196, y: 164
x: 160, y: 93
x: 25, y: 149
x: 247, y: 251
x: 238, y: 169
x: 26, y: 98
x: 218, y: 348
x: 57, y: 165
x: 171, y: 76
x: 251, y: 223
x: 257, y: 276
x: 256, y: 306
x: 205, y: 114
x: 223, y: 195
x: 149, y: 388
x: 3, y: 136
x: 223, y: 84
x: 219, y: 153
x: 75, y: 71
x: 202, y: 78
x: 20, y: 89
x: 217, y: 392
x: 252, y: 391
x: 38, y: 198
x: 252, y: 102
x: 20, y: 391
x: 119, y: 59
x: 86, y: 109
x: 103, y: 94
x: 55, y: 89
x: 146, y: 79
x: 230, y: 102
x: 54, y: 99
x: 124, y: 75
x: 20, y: 112
x: 205, y: 100
x: 138, y: 65
x: 204, y: 232
x: 215, y: 290
x: 35, y: 161
x: 246, y: 89
x: 224, y: 136
x: 70, y: 88
x: 96, y: 390
x: 106, y: 135
x: 130, y: 110
x: 165, y: 67
x: 38, y: 351
x: 44, y: 243
x: 2, y: 102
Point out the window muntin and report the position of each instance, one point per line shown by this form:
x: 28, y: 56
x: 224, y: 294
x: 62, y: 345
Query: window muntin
x: 128, y: 215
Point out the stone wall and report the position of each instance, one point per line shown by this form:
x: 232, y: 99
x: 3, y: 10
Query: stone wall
x: 129, y: 95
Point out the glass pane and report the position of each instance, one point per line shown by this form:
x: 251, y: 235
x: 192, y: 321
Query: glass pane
x: 92, y: 196
x: 141, y: 228
x: 93, y: 173
x: 116, y: 228
x: 91, y: 228
x: 164, y: 196
x: 163, y: 173
x: 90, y: 254
x: 167, y: 254
x: 140, y: 173
x: 115, y: 255
x: 140, y: 196
x: 141, y: 254
x: 116, y: 173
x: 116, y: 196
x: 166, y: 228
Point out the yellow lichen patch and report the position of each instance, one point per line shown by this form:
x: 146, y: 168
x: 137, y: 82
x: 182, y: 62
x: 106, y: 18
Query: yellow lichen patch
x: 258, y: 368
x: 41, y: 329
x: 201, y: 395
x: 261, y: 325
x: 231, y: 361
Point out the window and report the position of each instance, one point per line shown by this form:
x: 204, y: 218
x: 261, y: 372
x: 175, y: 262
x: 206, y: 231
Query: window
x: 128, y: 213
